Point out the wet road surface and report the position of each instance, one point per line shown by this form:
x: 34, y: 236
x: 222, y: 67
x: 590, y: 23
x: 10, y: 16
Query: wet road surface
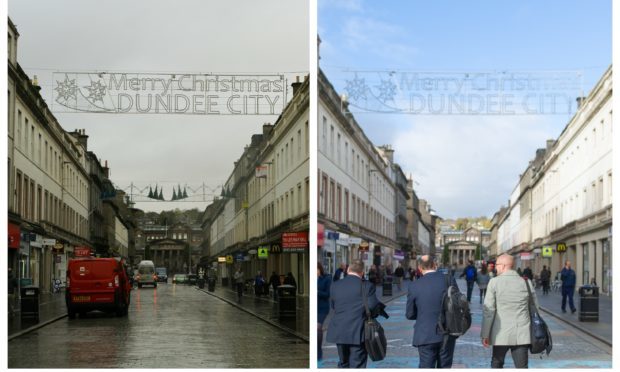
x: 173, y: 326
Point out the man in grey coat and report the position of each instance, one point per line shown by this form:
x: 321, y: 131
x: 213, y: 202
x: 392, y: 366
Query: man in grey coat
x: 506, y: 317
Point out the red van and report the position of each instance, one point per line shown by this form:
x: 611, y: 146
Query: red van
x: 97, y: 284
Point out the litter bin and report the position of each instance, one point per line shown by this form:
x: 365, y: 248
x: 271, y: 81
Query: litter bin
x: 211, y: 283
x: 287, y: 301
x: 588, y: 303
x: 387, y: 288
x: 201, y: 283
x: 224, y: 282
x: 30, y: 302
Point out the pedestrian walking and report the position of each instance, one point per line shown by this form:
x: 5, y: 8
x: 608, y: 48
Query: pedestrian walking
x: 491, y: 270
x: 346, y: 328
x: 323, y: 287
x: 506, y: 316
x: 340, y: 272
x: 482, y: 279
x: 545, y: 277
x: 274, y: 282
x: 527, y: 272
x: 239, y: 282
x: 519, y: 271
x: 372, y: 275
x: 290, y: 279
x: 424, y: 305
x: 259, y: 283
x: 569, y: 278
x: 470, y: 273
x: 399, y: 273
x: 11, y: 291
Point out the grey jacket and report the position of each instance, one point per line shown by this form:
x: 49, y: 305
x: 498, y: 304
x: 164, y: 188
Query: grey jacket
x: 506, y: 318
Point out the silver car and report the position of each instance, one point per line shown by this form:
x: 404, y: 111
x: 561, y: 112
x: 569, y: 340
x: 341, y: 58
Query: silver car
x: 146, y: 274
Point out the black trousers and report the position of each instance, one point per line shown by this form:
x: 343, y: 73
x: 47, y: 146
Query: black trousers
x: 352, y: 356
x: 545, y: 285
x: 436, y: 356
x: 483, y: 292
x: 519, y: 355
x: 470, y: 289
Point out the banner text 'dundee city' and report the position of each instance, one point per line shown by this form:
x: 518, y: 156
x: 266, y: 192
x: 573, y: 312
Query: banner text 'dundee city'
x: 137, y: 93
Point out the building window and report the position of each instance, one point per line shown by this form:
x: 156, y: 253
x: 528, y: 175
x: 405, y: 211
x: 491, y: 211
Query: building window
x: 338, y: 151
x: 346, y: 156
x: 339, y: 201
x: 324, y: 144
x: 19, y: 128
x: 331, y: 143
x: 39, y: 149
x: 332, y: 199
x: 32, y: 143
x: 298, y: 145
x: 300, y: 206
x: 324, y: 192
x: 19, y: 193
x: 346, y: 206
x: 586, y: 263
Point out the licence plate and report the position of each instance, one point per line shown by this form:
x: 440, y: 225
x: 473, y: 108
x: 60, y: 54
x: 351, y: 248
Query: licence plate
x: 81, y: 298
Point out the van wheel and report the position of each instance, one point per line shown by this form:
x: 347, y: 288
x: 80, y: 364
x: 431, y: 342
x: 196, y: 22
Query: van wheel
x: 139, y: 285
x: 155, y: 285
x: 71, y: 313
x: 121, y: 309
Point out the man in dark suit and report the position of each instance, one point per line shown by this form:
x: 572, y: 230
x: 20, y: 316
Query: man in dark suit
x: 424, y: 306
x: 346, y: 326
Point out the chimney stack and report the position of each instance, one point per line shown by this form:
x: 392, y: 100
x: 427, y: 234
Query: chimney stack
x: 267, y: 127
x: 35, y: 83
x: 580, y: 101
x: 550, y: 144
x: 296, y: 85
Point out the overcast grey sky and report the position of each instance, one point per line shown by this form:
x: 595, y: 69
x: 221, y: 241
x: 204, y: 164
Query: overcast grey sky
x: 185, y: 36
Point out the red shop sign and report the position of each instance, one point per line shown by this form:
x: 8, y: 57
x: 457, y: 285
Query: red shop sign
x: 295, y: 241
x: 321, y: 235
x: 81, y: 252
x: 14, y: 236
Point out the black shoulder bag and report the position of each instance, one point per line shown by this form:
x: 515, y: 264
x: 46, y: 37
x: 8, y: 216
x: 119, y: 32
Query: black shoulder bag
x: 374, y: 336
x: 539, y: 332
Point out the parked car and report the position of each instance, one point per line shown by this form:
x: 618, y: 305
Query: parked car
x: 192, y: 279
x: 162, y: 274
x: 179, y: 278
x: 97, y: 284
x: 146, y: 274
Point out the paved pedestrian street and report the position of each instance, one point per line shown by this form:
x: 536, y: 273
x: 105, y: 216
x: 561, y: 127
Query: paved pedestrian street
x: 173, y: 326
x: 571, y: 348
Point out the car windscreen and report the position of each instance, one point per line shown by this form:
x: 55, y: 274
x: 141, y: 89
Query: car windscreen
x: 160, y: 271
x: 146, y: 270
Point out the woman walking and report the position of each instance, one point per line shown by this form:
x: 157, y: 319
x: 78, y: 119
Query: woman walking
x: 323, y: 288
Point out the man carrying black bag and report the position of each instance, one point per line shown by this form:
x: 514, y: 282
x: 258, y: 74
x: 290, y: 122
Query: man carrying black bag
x: 346, y: 328
x: 506, y: 315
x: 424, y: 305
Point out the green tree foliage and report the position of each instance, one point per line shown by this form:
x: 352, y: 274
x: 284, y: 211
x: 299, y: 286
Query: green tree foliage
x: 478, y: 253
x: 445, y: 258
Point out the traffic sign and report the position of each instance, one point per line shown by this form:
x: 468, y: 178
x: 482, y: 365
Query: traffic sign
x: 547, y: 251
x: 561, y: 247
x: 263, y: 252
x: 229, y: 259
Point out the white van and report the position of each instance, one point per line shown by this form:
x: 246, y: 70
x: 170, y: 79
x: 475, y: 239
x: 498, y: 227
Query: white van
x: 146, y: 274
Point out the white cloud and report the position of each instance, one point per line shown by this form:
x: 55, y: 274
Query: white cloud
x: 468, y: 165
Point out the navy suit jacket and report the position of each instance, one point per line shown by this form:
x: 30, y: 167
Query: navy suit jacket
x: 424, y: 306
x: 346, y: 326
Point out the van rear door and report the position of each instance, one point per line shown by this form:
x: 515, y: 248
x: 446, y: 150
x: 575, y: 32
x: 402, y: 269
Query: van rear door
x: 92, y: 280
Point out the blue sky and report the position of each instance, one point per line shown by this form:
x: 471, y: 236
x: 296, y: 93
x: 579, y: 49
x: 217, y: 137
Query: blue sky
x: 464, y: 165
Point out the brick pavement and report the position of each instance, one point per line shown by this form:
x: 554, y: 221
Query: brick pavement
x: 51, y: 307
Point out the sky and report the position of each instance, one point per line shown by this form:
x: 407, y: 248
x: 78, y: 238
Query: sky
x: 189, y: 36
x: 464, y: 165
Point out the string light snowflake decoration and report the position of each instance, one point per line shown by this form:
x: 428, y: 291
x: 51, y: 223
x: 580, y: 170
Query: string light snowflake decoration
x: 96, y: 91
x: 66, y: 89
x: 356, y: 89
x: 387, y: 91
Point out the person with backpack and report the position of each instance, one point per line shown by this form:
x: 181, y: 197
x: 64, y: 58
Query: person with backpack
x: 482, y: 279
x: 425, y: 299
x: 527, y: 272
x: 545, y: 277
x: 470, y: 273
x: 346, y: 327
x: 506, y: 316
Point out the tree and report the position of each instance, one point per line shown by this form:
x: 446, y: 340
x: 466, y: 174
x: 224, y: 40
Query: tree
x: 478, y: 253
x: 461, y: 223
x: 445, y: 258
